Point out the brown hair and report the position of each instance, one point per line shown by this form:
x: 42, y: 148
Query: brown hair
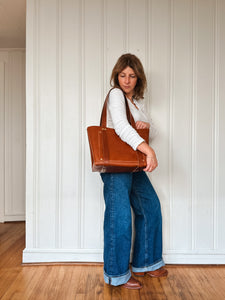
x: 130, y: 60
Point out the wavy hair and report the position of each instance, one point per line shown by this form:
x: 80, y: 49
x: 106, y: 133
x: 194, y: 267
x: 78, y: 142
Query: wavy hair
x: 130, y: 60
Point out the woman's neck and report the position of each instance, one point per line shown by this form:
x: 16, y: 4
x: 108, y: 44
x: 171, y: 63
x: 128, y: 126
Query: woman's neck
x: 132, y: 101
x: 130, y: 97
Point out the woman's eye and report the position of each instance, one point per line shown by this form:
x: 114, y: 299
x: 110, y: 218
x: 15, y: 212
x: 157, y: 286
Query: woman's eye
x: 131, y: 76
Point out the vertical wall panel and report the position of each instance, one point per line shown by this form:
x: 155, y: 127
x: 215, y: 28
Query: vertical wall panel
x: 181, y: 139
x: 2, y: 138
x: 136, y: 28
x: 93, y: 69
x: 220, y: 121
x: 71, y: 125
x: 47, y: 122
x: 32, y: 130
x: 159, y: 89
x: 12, y: 134
x: 204, y: 135
x: 116, y: 32
x: 15, y: 135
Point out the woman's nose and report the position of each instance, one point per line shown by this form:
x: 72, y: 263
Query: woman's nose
x: 127, y: 79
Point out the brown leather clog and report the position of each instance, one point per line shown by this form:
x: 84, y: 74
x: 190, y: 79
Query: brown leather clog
x: 157, y: 273
x: 132, y: 284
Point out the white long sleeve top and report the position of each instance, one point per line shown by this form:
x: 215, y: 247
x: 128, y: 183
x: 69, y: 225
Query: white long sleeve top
x: 117, y: 118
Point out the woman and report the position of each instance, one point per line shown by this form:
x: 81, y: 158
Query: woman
x: 125, y: 190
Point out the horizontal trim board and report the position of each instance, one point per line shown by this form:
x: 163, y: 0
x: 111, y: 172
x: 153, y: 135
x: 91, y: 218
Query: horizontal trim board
x: 96, y: 255
x: 12, y: 49
x: 11, y: 218
x: 62, y: 255
x: 194, y: 259
x: 70, y: 263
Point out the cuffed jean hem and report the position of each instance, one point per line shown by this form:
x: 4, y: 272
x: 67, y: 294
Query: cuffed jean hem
x: 152, y: 267
x: 117, y: 280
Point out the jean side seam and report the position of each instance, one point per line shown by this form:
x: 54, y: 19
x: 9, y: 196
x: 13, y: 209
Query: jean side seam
x: 146, y: 232
x: 111, y: 222
x: 117, y: 280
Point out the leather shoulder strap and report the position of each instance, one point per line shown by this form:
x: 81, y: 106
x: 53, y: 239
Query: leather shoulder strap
x: 104, y: 112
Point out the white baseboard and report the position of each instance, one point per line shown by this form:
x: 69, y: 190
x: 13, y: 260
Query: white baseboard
x: 96, y: 255
x: 195, y: 259
x: 62, y: 255
x: 14, y: 218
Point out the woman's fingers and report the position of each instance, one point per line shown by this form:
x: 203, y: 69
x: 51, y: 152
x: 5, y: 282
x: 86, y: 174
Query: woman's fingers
x: 141, y: 125
x: 138, y: 125
x: 151, y: 163
x: 150, y: 168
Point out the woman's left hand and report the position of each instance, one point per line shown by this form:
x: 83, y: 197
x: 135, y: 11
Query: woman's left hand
x: 142, y: 125
x: 151, y: 159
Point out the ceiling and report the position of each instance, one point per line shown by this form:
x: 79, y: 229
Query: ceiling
x: 12, y: 23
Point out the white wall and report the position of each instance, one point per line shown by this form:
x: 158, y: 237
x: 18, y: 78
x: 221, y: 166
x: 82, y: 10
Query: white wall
x: 72, y: 46
x: 12, y: 134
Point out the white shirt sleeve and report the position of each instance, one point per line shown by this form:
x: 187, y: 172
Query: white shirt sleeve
x: 117, y: 110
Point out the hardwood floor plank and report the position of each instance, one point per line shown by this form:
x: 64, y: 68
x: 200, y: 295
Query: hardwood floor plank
x: 107, y: 292
x: 130, y: 294
x: 12, y: 242
x: 22, y: 285
x: 7, y: 277
x: 80, y: 297
x: 206, y: 288
x: 168, y: 288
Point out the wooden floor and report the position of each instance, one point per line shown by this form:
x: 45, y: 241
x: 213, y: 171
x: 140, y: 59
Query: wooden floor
x: 64, y: 282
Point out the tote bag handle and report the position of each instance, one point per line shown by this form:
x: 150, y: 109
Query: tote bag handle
x: 104, y: 112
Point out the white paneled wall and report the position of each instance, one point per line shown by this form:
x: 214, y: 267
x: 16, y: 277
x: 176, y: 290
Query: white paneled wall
x: 12, y: 134
x: 72, y: 46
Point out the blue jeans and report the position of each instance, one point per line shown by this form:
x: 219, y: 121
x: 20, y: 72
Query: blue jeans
x: 121, y: 192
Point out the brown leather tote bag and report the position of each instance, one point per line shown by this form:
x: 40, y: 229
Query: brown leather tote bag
x: 108, y: 152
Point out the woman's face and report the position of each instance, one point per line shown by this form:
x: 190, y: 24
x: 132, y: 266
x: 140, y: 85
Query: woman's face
x: 127, y: 81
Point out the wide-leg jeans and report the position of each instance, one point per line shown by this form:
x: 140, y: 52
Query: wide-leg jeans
x: 121, y: 192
